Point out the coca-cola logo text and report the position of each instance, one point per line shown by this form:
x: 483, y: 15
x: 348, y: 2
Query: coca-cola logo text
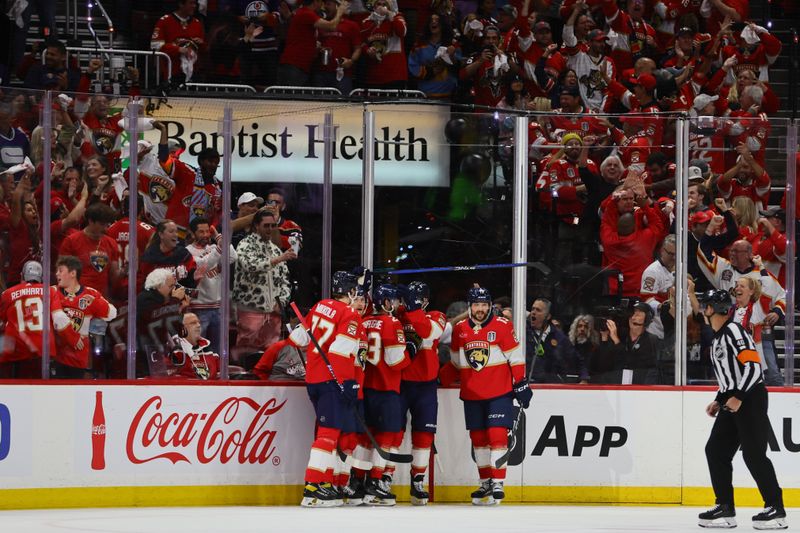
x: 203, y: 436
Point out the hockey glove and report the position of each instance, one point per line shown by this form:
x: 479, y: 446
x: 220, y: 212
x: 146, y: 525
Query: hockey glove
x: 523, y: 393
x: 350, y: 391
x: 411, y: 349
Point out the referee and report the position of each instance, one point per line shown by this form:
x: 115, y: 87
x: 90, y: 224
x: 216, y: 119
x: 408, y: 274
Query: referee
x: 741, y: 411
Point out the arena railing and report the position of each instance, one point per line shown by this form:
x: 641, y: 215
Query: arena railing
x: 219, y: 87
x: 118, y: 63
x: 295, y: 90
x: 90, y: 5
x: 387, y: 94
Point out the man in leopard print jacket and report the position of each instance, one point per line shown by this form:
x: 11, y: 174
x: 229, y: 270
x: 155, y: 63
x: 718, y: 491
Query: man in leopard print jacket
x: 260, y: 286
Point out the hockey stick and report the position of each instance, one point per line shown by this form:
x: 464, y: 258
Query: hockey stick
x: 460, y: 268
x: 512, y: 440
x: 387, y: 455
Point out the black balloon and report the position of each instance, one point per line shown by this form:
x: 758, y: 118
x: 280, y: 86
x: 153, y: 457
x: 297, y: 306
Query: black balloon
x: 476, y: 165
x: 454, y: 130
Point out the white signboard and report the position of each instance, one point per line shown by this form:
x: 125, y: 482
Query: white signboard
x: 283, y: 141
x: 250, y: 444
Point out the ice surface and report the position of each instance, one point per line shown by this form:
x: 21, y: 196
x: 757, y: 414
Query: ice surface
x: 400, y: 519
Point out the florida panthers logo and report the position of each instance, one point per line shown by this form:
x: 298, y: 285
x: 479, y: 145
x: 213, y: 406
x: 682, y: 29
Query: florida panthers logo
x: 361, y: 355
x: 477, y: 353
x: 160, y: 189
x: 104, y: 141
x: 99, y: 261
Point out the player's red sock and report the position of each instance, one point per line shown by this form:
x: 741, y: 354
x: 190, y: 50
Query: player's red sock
x: 498, y: 442
x: 480, y: 443
x: 421, y: 442
x: 321, y: 460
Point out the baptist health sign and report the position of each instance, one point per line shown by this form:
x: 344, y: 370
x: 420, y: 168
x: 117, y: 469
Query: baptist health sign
x: 283, y: 141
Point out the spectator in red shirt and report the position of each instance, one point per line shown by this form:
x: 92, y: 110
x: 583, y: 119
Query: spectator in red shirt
x: 98, y: 178
x: 96, y: 250
x: 383, y: 34
x: 101, y: 133
x: 487, y: 70
x: 633, y: 38
x: 300, y: 50
x: 772, y: 247
x: 25, y: 237
x: 287, y: 231
x: 335, y: 68
x: 745, y: 178
x: 628, y: 246
x: 716, y: 11
x: 182, y: 37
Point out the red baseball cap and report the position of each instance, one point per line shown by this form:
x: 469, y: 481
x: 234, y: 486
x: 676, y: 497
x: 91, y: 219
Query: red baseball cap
x: 701, y: 217
x: 597, y: 35
x: 648, y: 81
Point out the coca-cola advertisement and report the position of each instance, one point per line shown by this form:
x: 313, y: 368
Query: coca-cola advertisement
x: 247, y: 433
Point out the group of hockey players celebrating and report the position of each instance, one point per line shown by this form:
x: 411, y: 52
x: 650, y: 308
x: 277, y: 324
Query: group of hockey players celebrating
x: 372, y: 360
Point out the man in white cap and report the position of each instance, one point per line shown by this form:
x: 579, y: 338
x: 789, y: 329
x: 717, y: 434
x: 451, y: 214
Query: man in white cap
x: 708, y: 133
x: 248, y: 204
x: 21, y: 308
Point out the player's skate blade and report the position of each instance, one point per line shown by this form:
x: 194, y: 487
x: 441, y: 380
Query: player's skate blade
x: 483, y: 495
x: 720, y: 516
x: 377, y: 493
x: 419, y: 496
x: 770, y: 518
x: 353, y: 493
x: 320, y: 495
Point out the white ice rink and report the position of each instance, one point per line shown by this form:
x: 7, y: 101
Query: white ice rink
x: 400, y: 519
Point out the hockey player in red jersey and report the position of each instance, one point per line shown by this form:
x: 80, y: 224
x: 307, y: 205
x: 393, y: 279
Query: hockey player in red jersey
x: 332, y: 390
x: 487, y: 353
x: 386, y: 358
x: 353, y: 442
x: 422, y: 329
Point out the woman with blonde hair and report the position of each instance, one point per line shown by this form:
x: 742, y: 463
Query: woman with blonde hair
x: 746, y: 215
x: 751, y: 310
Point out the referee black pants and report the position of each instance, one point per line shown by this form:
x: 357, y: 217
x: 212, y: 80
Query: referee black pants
x: 750, y: 428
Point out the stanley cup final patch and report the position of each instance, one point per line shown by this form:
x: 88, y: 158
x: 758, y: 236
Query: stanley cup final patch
x: 477, y: 354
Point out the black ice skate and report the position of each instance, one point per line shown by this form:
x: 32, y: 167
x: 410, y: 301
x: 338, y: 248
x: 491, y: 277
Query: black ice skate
x: 497, y: 491
x: 483, y: 496
x: 720, y: 516
x: 770, y: 518
x: 353, y: 493
x: 419, y: 496
x: 377, y: 492
x: 320, y: 495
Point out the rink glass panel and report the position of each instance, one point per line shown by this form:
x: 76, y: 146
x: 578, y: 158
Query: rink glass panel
x: 443, y: 199
x: 473, y: 230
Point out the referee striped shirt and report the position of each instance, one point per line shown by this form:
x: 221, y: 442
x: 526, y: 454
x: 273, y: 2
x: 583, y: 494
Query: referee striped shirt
x: 735, y: 360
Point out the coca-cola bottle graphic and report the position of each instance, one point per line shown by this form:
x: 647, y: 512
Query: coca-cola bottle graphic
x: 98, y: 433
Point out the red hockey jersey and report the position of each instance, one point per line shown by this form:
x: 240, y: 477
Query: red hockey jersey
x: 21, y: 308
x: 335, y: 326
x: 81, y: 307
x: 386, y: 353
x: 425, y: 330
x: 488, y: 357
